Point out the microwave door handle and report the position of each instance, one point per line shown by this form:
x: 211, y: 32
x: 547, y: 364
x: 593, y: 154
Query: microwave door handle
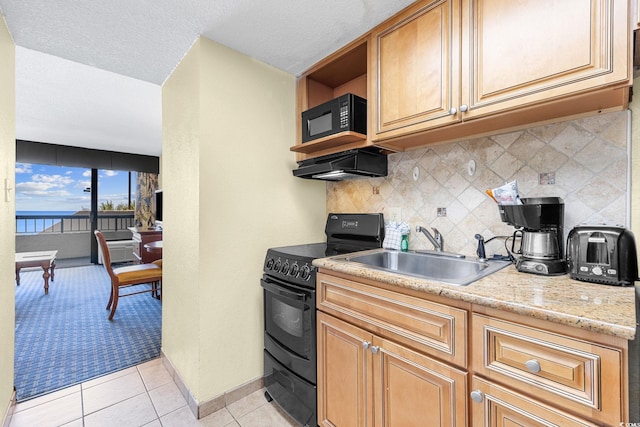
x: 283, y: 292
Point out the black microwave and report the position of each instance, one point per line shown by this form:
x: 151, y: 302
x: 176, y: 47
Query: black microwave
x: 345, y: 113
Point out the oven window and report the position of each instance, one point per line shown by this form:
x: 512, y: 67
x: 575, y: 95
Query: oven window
x: 288, y: 318
x: 291, y: 321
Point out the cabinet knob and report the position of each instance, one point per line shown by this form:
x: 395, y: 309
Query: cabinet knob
x: 464, y: 108
x: 533, y: 366
x: 453, y: 111
x: 374, y: 349
x: 366, y: 344
x: 476, y: 396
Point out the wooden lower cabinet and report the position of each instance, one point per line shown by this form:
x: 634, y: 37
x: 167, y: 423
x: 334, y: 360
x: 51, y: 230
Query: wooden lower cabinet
x: 577, y: 375
x: 344, y: 374
x: 366, y: 380
x: 411, y: 389
x: 380, y: 364
x: 495, y: 406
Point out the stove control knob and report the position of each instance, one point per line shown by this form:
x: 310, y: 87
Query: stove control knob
x: 285, y: 268
x: 295, y: 269
x: 269, y: 264
x: 597, y: 271
x: 276, y: 266
x: 305, y: 272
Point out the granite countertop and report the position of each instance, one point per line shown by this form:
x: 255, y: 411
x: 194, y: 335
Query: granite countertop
x: 603, y: 309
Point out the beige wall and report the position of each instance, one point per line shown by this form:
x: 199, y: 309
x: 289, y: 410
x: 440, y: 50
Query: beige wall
x: 588, y: 157
x: 7, y: 215
x: 634, y: 106
x: 228, y: 123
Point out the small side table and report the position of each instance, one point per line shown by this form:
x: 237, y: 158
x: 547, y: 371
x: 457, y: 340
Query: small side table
x: 44, y: 259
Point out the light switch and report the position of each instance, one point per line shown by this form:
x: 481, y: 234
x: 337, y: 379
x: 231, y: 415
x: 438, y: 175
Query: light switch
x: 8, y: 189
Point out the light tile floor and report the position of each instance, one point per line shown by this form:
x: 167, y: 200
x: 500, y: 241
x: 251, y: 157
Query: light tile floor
x: 144, y: 395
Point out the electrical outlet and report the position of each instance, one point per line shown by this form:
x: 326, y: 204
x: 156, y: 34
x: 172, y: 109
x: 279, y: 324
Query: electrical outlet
x: 547, y: 178
x: 392, y: 214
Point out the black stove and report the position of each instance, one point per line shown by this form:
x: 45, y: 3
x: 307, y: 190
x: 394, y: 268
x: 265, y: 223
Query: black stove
x: 289, y: 284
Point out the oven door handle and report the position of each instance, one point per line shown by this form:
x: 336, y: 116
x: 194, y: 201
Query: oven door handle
x: 282, y: 291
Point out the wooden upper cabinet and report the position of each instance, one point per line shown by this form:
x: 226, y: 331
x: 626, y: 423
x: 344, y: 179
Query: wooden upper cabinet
x: 439, y: 67
x: 415, y: 70
x: 342, y: 72
x: 530, y: 51
x: 443, y: 70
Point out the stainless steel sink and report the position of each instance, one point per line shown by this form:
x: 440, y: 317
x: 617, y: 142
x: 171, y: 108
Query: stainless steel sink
x: 442, y: 268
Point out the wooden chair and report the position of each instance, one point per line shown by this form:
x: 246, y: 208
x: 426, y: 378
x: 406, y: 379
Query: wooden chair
x: 122, y: 277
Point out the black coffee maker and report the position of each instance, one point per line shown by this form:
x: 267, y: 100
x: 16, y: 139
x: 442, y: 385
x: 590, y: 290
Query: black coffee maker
x: 539, y: 223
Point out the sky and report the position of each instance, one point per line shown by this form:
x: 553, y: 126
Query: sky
x: 60, y: 188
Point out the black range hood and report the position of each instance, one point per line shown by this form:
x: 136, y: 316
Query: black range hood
x: 352, y: 164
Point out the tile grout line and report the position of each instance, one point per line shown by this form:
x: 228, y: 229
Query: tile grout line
x: 148, y: 395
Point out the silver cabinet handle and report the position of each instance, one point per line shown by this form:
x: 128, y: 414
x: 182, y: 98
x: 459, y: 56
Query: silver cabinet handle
x: 374, y: 349
x: 366, y: 344
x: 453, y: 111
x: 533, y: 366
x: 476, y: 396
x: 464, y: 108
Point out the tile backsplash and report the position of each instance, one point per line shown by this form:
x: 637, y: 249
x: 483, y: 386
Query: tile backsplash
x: 583, y: 161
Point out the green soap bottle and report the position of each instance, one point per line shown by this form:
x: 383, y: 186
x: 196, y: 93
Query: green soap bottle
x: 404, y: 243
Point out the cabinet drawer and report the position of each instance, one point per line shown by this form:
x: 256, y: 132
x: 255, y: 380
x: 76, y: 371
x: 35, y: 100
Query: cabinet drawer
x: 576, y: 374
x: 428, y: 327
x: 492, y: 405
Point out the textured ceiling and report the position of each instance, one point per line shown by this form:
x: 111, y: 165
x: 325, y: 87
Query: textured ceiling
x: 145, y: 39
x: 88, y: 72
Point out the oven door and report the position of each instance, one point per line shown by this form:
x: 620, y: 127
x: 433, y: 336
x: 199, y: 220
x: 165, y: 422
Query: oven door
x: 290, y: 316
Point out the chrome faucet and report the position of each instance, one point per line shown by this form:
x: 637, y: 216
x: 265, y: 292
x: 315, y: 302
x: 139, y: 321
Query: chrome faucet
x: 436, y: 240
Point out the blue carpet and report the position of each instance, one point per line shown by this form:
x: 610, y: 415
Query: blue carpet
x: 64, y: 338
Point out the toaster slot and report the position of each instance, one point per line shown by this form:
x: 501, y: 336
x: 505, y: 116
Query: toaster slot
x: 597, y: 249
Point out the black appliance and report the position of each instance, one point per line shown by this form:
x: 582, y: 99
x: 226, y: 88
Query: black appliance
x: 289, y: 289
x: 602, y: 254
x: 539, y: 223
x: 345, y: 113
x: 351, y: 164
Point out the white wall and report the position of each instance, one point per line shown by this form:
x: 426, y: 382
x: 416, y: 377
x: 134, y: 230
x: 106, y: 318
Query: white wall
x: 7, y: 215
x: 229, y: 194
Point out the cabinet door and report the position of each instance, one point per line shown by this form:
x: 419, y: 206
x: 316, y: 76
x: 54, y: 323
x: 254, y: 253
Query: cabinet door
x: 344, y: 365
x: 415, y: 67
x: 412, y: 390
x: 495, y: 406
x: 518, y: 53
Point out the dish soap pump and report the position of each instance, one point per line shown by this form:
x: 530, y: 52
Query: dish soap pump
x: 404, y: 243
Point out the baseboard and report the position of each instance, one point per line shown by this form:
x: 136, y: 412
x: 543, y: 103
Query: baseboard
x: 9, y: 413
x: 202, y: 409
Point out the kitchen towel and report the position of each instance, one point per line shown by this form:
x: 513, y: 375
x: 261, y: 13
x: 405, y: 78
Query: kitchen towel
x: 393, y: 232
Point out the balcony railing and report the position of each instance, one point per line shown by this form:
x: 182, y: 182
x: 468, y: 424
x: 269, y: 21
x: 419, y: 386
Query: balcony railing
x: 38, y: 224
